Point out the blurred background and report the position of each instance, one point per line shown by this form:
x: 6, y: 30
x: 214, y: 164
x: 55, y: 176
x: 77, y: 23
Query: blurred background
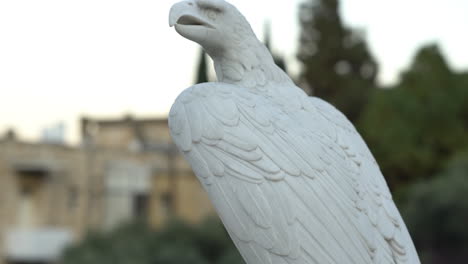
x: 88, y: 172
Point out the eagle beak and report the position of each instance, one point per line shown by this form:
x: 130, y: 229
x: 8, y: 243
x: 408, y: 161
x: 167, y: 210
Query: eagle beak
x: 189, y: 22
x: 177, y: 10
x: 187, y: 14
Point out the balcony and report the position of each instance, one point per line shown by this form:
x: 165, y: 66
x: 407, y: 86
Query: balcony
x: 42, y: 245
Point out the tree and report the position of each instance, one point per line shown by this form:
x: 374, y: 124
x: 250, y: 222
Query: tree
x: 436, y: 213
x: 415, y: 127
x: 176, y: 243
x: 202, y: 70
x: 337, y: 65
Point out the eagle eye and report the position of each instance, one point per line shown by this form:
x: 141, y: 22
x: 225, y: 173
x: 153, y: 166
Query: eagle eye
x: 210, y: 5
x: 210, y: 10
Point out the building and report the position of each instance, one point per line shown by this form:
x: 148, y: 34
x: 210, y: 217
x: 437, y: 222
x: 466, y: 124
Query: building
x: 52, y: 194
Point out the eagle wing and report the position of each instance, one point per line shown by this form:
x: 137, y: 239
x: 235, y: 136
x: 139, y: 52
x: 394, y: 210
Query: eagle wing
x: 297, y: 186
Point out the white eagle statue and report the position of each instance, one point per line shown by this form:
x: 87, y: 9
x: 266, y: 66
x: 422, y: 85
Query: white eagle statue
x: 290, y: 177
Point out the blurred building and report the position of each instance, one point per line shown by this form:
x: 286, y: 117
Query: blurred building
x: 52, y: 194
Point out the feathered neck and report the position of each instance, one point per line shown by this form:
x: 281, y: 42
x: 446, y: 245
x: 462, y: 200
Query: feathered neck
x: 249, y: 64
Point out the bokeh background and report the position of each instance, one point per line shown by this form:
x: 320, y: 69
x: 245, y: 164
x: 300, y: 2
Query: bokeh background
x: 88, y: 173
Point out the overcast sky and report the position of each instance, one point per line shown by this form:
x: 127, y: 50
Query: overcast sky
x: 60, y: 59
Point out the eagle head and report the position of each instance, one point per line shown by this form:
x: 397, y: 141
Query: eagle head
x: 214, y: 24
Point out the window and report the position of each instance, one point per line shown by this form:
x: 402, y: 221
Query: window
x: 140, y: 205
x: 29, y: 180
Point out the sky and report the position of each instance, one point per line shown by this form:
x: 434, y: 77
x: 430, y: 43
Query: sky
x: 60, y: 60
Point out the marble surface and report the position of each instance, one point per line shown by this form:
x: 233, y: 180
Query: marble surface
x: 290, y: 177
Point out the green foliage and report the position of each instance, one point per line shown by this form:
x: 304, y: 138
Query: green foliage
x: 202, y: 71
x: 128, y: 244
x: 177, y: 243
x: 337, y: 65
x: 414, y: 128
x: 437, y: 213
x: 417, y: 131
x: 230, y: 257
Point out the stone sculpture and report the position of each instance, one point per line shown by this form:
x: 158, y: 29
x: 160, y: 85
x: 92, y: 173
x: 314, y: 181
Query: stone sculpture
x: 291, y: 179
